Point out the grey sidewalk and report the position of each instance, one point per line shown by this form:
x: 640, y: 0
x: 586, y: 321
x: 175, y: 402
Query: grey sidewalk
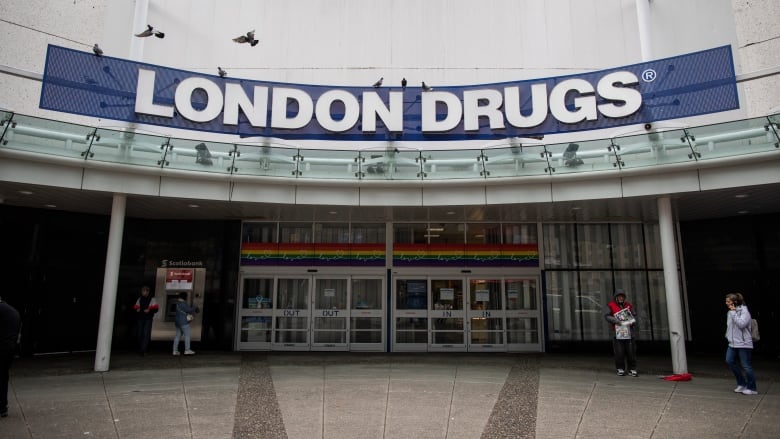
x: 363, y: 395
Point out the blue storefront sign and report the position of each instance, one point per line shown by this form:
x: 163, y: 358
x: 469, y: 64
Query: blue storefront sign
x: 112, y: 88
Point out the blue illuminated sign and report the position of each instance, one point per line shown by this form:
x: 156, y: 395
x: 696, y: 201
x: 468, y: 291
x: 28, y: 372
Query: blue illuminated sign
x: 111, y: 88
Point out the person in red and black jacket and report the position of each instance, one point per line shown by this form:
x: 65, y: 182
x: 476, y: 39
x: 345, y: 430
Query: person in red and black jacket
x: 623, y: 329
x: 145, y: 308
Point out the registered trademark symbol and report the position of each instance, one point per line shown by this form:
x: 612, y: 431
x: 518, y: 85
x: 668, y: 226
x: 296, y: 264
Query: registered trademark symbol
x: 649, y: 75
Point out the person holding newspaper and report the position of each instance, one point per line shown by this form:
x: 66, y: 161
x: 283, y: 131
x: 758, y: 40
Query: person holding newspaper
x: 622, y: 317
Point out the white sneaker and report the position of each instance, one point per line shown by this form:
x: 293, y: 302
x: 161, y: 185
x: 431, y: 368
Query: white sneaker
x: 176, y: 353
x: 189, y: 352
x: 621, y: 373
x: 739, y: 389
x: 749, y: 392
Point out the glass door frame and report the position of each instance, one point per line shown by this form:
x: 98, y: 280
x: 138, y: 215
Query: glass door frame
x: 524, y: 314
x: 474, y: 315
x: 257, y: 316
x: 430, y: 275
x: 339, y: 311
x: 293, y: 312
x: 247, y: 319
x: 443, y: 311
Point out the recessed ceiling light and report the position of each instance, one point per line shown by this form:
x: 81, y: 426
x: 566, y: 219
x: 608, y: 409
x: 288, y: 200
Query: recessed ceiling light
x: 576, y: 208
x: 333, y: 212
x: 50, y: 205
x: 450, y: 212
x: 740, y: 196
x: 742, y: 212
x: 25, y: 192
x: 193, y: 205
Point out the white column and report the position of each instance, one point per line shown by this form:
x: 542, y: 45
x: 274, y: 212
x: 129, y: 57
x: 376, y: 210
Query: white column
x: 110, y: 280
x: 672, y: 284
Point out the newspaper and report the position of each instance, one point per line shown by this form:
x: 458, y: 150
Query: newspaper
x: 624, y: 316
x: 622, y: 329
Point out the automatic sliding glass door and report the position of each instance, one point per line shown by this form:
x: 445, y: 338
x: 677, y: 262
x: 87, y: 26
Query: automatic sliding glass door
x: 447, y: 316
x: 330, y: 314
x: 523, y: 323
x: 312, y: 312
x: 410, y: 315
x: 486, y: 315
x: 292, y: 313
x: 367, y: 314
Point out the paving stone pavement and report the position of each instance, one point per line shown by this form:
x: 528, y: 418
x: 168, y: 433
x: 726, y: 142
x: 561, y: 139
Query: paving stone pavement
x: 368, y: 395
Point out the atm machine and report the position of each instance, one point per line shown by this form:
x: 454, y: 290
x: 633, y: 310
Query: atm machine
x: 169, y: 283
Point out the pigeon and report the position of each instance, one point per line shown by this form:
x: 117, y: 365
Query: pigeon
x: 221, y: 72
x: 149, y: 32
x: 248, y: 38
x: 379, y: 83
x: 425, y: 87
x: 403, y: 83
x: 97, y: 50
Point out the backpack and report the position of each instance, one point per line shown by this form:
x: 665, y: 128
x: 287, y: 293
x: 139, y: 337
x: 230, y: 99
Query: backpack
x: 754, y: 334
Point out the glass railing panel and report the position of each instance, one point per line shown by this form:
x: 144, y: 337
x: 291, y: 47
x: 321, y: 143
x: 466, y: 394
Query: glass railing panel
x: 774, y: 126
x: 652, y: 149
x: 5, y: 119
x: 515, y: 161
x: 193, y: 155
x: 266, y: 160
x: 390, y: 164
x: 44, y: 136
x: 128, y: 146
x: 732, y: 138
x: 328, y: 164
x: 584, y: 156
x: 453, y: 164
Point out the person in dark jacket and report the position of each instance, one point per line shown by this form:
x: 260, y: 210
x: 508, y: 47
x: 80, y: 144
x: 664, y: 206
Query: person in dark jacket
x: 183, y: 324
x: 145, y: 309
x: 10, y: 324
x: 621, y: 314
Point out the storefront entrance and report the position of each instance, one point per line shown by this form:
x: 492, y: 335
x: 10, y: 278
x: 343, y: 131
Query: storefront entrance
x: 466, y: 313
x: 303, y: 311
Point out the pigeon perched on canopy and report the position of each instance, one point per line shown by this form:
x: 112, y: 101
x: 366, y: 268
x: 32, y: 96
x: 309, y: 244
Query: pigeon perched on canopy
x: 425, y: 87
x: 97, y: 50
x: 379, y: 83
x: 222, y: 72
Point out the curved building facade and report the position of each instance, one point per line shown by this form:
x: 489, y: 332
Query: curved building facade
x: 390, y: 176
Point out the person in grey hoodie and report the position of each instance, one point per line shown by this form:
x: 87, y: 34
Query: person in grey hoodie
x: 739, y: 352
x: 182, y: 324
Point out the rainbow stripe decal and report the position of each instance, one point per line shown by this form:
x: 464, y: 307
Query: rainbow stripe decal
x: 467, y: 255
x: 312, y: 254
x: 404, y: 255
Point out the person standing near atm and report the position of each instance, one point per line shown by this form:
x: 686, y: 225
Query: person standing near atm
x: 10, y: 325
x: 145, y: 308
x: 184, y: 314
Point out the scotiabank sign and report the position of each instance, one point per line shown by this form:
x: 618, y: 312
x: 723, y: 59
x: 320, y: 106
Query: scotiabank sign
x: 682, y: 86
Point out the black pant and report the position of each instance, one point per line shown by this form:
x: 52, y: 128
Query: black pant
x: 5, y: 365
x: 625, y: 352
x: 144, y: 334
